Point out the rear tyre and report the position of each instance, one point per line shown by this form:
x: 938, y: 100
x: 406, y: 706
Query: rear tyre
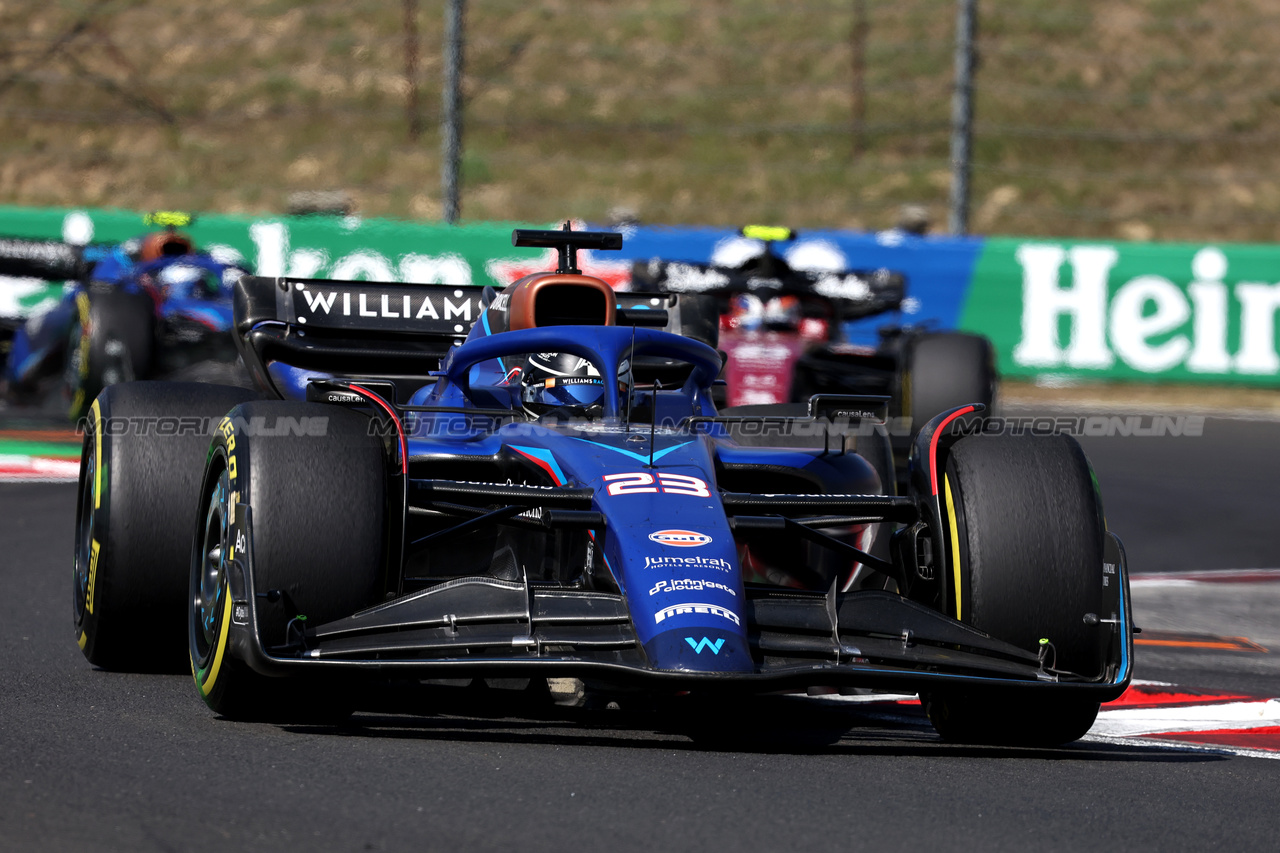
x: 113, y: 342
x: 143, y: 456
x: 946, y: 370
x: 315, y: 480
x: 1025, y: 534
x: 699, y: 318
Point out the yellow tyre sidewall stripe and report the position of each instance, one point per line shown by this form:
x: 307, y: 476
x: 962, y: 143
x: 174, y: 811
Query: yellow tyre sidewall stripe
x: 82, y: 302
x: 77, y: 399
x: 95, y: 549
x: 95, y: 553
x: 955, y: 542
x: 205, y: 679
x: 97, y: 454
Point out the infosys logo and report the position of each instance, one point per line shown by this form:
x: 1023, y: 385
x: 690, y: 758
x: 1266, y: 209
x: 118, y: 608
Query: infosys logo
x: 680, y: 538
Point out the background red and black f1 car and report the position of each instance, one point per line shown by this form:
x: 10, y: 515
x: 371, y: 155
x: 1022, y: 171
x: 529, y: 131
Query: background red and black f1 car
x: 783, y: 332
x: 561, y: 498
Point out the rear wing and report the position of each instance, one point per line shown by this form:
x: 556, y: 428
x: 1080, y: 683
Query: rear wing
x: 52, y: 260
x: 400, y: 332
x: 357, y: 307
x: 350, y: 328
x: 852, y: 293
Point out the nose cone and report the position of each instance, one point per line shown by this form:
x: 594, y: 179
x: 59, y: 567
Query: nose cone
x: 678, y: 568
x: 696, y: 649
x: 688, y: 609
x: 669, y: 547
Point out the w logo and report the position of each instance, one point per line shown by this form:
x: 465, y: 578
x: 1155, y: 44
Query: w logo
x: 704, y: 643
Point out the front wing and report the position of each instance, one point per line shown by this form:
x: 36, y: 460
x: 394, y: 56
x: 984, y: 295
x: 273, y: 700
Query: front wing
x: 485, y: 627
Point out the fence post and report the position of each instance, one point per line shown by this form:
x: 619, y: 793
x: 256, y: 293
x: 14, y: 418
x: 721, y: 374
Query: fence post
x: 412, y: 114
x: 962, y: 117
x: 451, y: 132
x: 858, y: 55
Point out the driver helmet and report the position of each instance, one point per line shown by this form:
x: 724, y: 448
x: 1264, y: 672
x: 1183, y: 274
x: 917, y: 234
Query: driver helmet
x: 189, y: 280
x: 561, y: 380
x: 746, y: 312
x: 179, y: 276
x: 782, y: 313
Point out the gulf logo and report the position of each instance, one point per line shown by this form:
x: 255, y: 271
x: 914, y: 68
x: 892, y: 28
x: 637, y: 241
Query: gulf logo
x: 680, y: 538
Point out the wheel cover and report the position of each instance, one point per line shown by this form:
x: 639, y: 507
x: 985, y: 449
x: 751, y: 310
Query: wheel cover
x: 209, y: 582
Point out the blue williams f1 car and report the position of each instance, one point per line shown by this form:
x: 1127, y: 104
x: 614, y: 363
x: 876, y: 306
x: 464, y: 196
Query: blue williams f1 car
x: 150, y: 307
x: 560, y: 499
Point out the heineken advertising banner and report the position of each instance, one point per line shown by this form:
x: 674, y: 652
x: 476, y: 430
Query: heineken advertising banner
x: 1187, y: 312
x: 1054, y: 308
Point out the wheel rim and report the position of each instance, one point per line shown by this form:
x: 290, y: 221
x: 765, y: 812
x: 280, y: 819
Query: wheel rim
x: 76, y: 372
x: 84, y: 529
x: 209, y: 579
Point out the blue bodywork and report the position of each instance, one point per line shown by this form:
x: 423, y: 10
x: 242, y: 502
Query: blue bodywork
x: 670, y: 550
x: 638, y: 536
x: 192, y: 295
x: 684, y: 589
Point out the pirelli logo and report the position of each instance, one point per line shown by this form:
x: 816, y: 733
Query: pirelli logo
x: 685, y: 609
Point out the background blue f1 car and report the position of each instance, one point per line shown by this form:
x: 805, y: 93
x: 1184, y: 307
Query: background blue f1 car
x: 166, y: 315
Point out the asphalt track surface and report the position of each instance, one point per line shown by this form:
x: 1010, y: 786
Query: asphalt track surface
x: 93, y: 760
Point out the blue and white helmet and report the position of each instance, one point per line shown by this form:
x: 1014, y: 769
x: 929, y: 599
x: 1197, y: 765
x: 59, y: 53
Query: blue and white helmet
x: 560, y: 380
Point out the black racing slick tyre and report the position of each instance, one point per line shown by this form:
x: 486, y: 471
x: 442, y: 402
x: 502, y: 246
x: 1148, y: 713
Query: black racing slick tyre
x: 143, y: 457
x: 1025, y: 532
x: 699, y: 318
x: 314, y: 479
x: 946, y: 370
x: 113, y: 342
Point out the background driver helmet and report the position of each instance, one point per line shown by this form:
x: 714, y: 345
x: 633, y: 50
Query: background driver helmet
x: 560, y: 380
x: 746, y: 312
x: 782, y: 313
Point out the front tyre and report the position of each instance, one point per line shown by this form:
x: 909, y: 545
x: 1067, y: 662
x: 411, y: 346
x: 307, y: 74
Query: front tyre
x: 1025, y: 535
x: 1010, y: 720
x: 699, y: 318
x: 316, y: 483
